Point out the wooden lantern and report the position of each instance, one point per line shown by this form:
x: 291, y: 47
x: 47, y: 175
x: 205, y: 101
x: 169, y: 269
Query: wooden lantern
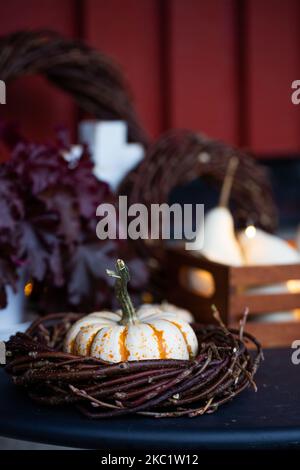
x: 230, y: 290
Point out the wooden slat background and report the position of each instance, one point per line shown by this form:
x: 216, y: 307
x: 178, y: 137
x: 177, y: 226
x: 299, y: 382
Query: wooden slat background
x: 223, y: 67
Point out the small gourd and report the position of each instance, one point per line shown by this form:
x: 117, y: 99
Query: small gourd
x: 151, y: 332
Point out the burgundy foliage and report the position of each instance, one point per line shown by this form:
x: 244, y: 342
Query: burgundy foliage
x: 48, y: 226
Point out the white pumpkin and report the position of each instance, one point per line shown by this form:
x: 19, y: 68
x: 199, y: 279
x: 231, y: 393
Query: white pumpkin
x: 147, y: 310
x: 151, y: 332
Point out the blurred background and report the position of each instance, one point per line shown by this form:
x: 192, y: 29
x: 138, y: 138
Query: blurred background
x: 224, y: 67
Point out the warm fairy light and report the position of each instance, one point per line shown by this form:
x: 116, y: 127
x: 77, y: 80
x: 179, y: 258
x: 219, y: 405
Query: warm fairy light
x: 250, y: 231
x: 200, y: 281
x: 28, y: 289
x: 296, y: 313
x: 294, y: 287
x: 147, y: 297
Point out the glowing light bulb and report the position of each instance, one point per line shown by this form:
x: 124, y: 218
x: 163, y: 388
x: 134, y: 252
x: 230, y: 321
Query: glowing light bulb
x: 250, y: 231
x: 147, y: 297
x: 293, y: 286
x: 28, y: 289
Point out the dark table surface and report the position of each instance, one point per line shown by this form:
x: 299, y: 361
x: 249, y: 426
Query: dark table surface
x: 267, y: 419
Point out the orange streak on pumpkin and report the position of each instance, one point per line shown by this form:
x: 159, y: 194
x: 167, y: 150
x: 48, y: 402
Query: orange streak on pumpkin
x: 184, y: 337
x: 124, y: 352
x: 72, y: 346
x: 90, y: 343
x: 160, y: 342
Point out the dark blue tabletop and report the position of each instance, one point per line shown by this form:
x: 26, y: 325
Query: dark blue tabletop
x: 267, y: 419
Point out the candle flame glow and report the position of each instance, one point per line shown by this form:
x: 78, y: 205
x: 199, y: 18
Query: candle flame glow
x: 294, y: 287
x: 250, y: 231
x: 28, y: 289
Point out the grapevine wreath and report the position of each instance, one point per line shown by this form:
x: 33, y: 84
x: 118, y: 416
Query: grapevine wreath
x: 181, y: 156
x: 165, y: 387
x: 93, y: 80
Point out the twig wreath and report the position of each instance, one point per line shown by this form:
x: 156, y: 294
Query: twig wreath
x: 91, y: 78
x: 181, y: 156
x: 222, y: 368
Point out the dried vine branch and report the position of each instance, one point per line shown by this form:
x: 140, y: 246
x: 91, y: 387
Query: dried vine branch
x: 223, y: 368
x: 93, y: 80
x: 181, y: 156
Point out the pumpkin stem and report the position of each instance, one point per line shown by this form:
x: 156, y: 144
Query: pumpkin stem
x: 228, y: 181
x: 122, y: 278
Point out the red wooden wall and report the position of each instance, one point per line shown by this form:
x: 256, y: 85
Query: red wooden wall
x: 224, y: 67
